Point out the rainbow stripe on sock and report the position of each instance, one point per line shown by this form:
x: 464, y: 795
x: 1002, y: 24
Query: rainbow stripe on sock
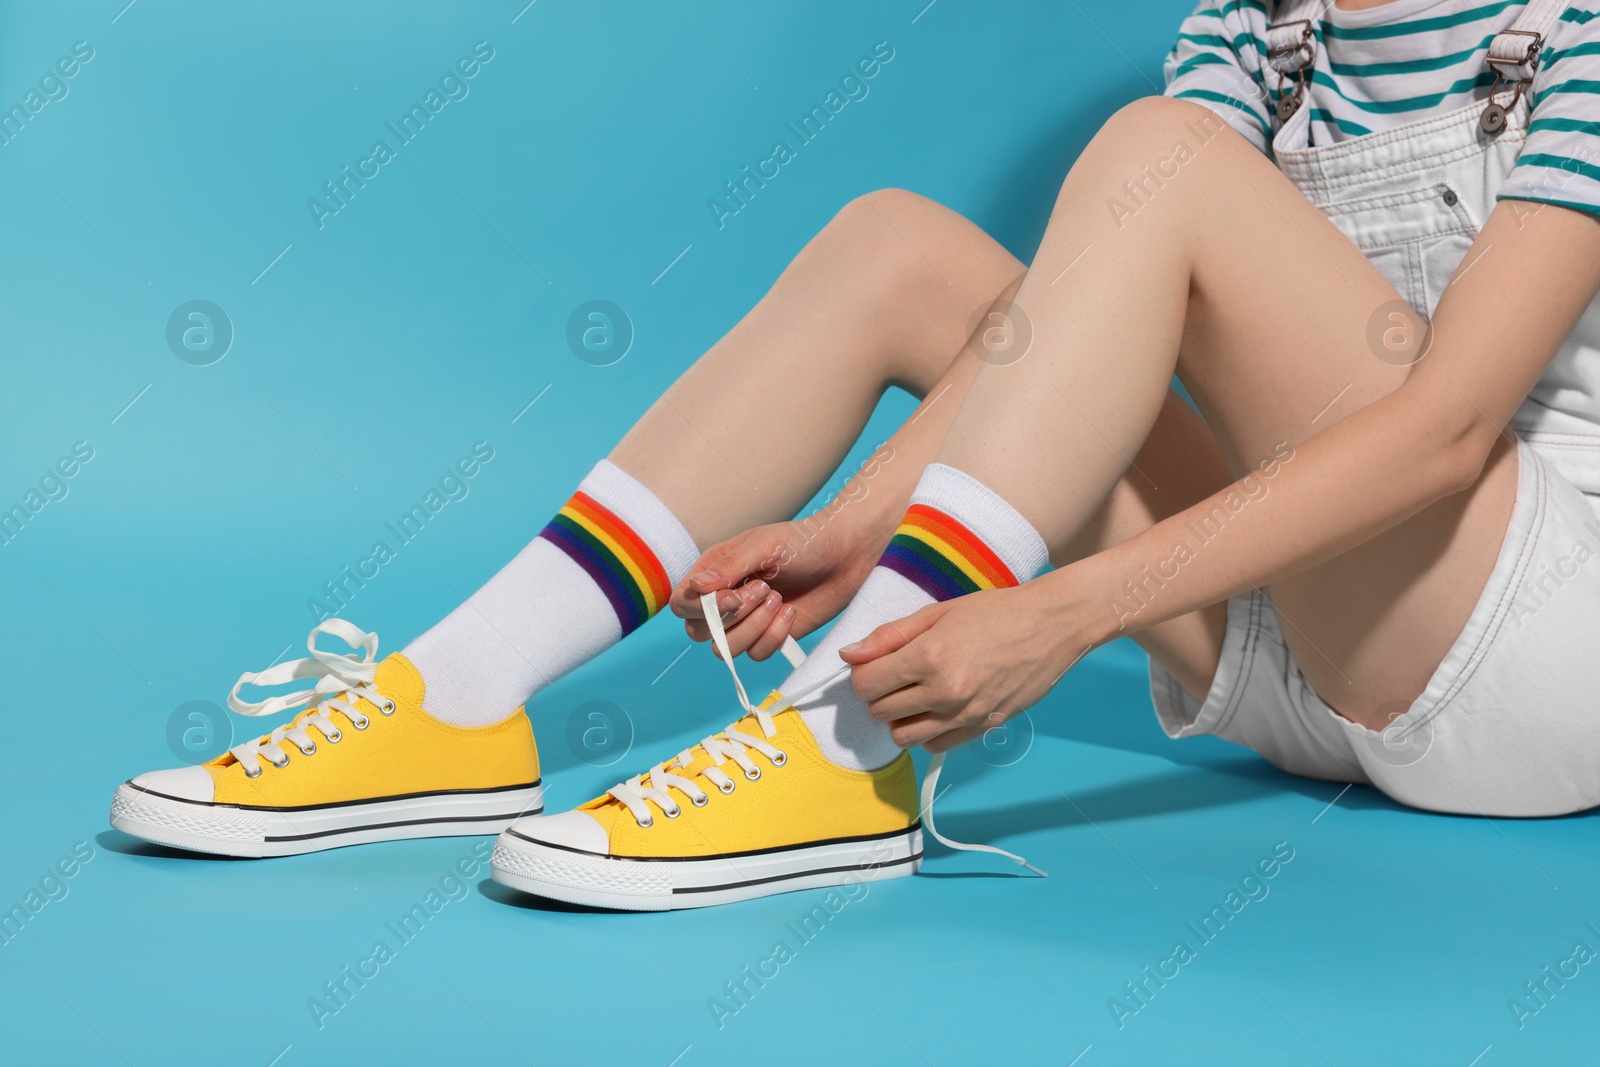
x: 943, y: 557
x: 618, y: 560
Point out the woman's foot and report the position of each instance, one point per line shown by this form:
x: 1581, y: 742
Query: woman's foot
x: 363, y: 762
x: 752, y: 811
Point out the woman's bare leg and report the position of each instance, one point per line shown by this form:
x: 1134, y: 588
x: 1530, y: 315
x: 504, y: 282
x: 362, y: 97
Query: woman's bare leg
x: 1179, y: 466
x: 1199, y: 280
x: 881, y: 296
x: 884, y: 295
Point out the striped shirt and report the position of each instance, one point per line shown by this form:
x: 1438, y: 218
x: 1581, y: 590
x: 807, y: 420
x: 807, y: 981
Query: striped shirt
x: 1400, y: 63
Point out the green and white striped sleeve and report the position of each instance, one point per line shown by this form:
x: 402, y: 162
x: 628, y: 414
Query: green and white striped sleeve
x: 1560, y: 162
x: 1216, y: 62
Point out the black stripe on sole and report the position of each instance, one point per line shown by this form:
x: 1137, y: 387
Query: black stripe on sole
x: 721, y: 855
x: 403, y: 822
x: 797, y: 874
x: 340, y: 803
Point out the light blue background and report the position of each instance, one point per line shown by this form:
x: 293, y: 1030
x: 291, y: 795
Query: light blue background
x: 377, y: 350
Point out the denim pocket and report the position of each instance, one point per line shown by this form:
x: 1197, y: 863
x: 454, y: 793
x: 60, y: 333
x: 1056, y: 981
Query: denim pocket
x: 1415, y: 238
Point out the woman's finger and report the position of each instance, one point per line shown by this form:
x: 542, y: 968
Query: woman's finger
x: 893, y: 636
x: 917, y: 730
x: 703, y: 578
x: 724, y: 567
x: 733, y: 562
x: 772, y: 639
x: 904, y: 703
x: 737, y: 604
x: 956, y: 738
x: 877, y: 679
x: 732, y: 605
x: 754, y: 623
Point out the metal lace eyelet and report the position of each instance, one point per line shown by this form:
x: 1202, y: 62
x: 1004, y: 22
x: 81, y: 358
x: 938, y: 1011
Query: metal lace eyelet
x: 700, y: 801
x: 780, y: 758
x: 726, y: 788
x: 312, y: 751
x: 247, y: 773
x: 278, y: 765
x: 389, y: 710
x: 754, y: 774
x: 363, y: 724
x: 674, y: 813
x: 334, y: 737
x: 648, y: 822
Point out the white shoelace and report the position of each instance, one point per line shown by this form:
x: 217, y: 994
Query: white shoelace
x: 340, y: 680
x: 734, y: 745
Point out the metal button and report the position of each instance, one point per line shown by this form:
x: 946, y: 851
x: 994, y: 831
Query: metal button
x: 1450, y: 196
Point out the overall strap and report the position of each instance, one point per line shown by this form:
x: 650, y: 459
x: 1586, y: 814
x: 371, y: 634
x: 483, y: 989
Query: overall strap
x: 1514, y: 52
x: 1292, y: 49
x: 1514, y: 57
x: 1291, y: 40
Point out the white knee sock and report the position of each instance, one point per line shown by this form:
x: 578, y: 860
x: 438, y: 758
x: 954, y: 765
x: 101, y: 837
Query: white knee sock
x: 957, y: 537
x: 600, y: 569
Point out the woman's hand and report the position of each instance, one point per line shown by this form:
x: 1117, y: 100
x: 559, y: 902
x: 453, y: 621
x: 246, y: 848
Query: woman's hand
x: 953, y: 670
x: 777, y: 581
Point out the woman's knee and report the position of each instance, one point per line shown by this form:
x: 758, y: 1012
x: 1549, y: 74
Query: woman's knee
x: 882, y: 231
x: 1144, y: 148
x: 923, y: 271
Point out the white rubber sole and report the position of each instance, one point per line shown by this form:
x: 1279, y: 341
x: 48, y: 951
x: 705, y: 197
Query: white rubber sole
x: 237, y: 830
x: 628, y: 884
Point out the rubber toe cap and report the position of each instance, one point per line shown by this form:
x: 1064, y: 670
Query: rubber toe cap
x: 182, y: 783
x: 570, y: 829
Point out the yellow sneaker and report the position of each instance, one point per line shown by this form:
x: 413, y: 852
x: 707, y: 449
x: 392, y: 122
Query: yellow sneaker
x: 361, y: 763
x: 754, y: 810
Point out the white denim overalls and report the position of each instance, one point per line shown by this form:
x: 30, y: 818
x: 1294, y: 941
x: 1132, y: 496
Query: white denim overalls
x: 1413, y: 199
x: 1509, y: 723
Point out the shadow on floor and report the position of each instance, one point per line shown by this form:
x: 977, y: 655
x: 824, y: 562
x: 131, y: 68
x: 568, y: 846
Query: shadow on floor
x: 121, y: 843
x: 501, y: 894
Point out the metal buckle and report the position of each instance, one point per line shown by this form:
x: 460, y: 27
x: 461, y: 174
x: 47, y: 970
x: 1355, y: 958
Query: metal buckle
x: 1531, y: 57
x: 1493, y: 119
x: 1306, y: 37
x: 1287, y: 105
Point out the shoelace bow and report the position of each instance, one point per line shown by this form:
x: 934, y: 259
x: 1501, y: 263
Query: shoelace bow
x: 735, y: 745
x: 341, y: 679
